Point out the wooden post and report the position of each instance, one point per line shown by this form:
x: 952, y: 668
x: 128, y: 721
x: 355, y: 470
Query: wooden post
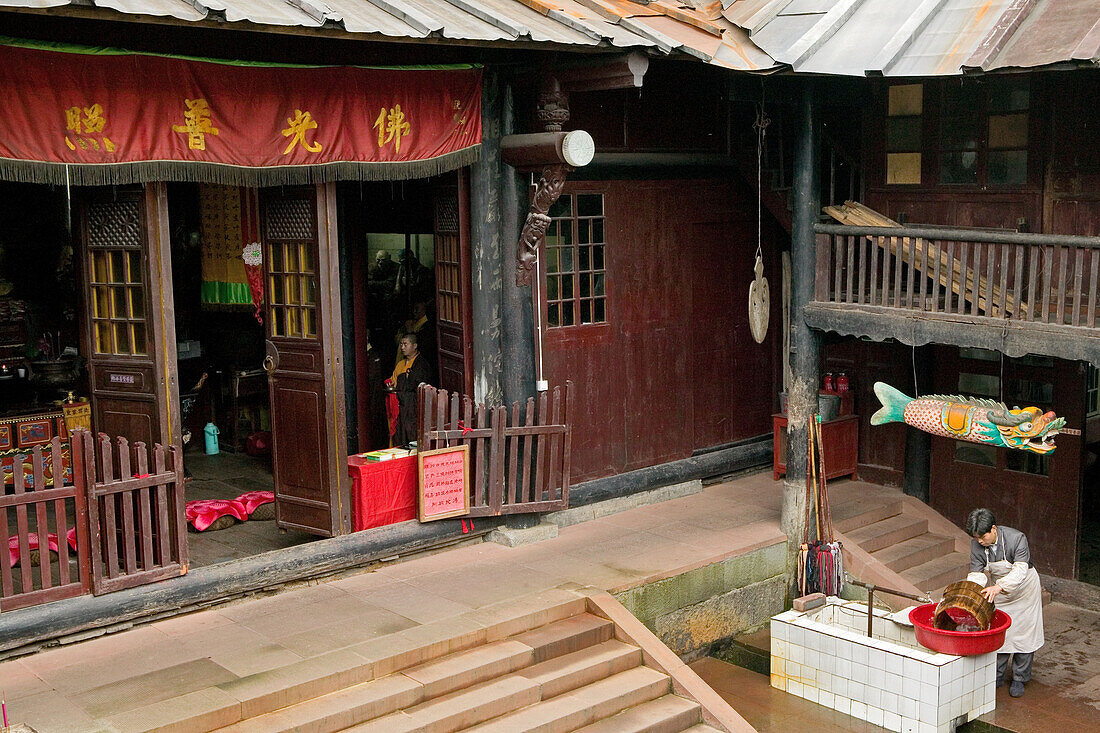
x: 487, y: 245
x: 805, y: 343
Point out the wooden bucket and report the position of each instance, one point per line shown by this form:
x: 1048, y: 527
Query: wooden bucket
x: 963, y: 605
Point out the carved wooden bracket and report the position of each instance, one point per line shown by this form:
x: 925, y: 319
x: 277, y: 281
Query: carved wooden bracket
x: 547, y: 192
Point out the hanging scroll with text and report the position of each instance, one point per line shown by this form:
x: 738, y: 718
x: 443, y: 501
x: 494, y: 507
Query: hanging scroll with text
x: 110, y: 117
x: 229, y: 219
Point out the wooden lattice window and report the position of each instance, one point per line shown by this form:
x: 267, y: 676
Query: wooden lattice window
x: 118, y: 289
x: 292, y: 289
x: 576, y: 292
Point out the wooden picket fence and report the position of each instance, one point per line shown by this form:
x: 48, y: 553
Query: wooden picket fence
x: 135, y: 512
x: 110, y: 517
x: 519, y: 458
x: 48, y: 544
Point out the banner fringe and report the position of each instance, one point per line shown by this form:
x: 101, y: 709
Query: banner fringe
x: 117, y: 174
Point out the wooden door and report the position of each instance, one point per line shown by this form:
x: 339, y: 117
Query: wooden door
x: 128, y: 325
x: 304, y: 360
x: 452, y: 284
x: 1035, y: 494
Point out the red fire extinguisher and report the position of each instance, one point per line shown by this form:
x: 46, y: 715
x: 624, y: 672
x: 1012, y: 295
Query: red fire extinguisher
x: 829, y: 384
x: 842, y: 383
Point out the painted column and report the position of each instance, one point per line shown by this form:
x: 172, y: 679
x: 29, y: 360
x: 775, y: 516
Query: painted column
x: 805, y: 343
x: 488, y: 244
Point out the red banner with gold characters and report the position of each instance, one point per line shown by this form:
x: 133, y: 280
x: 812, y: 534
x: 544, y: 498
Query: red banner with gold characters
x: 120, y: 117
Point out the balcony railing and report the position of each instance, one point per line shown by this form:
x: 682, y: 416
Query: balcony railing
x: 961, y: 274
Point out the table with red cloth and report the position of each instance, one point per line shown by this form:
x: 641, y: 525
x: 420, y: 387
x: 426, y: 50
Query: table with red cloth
x: 382, y: 492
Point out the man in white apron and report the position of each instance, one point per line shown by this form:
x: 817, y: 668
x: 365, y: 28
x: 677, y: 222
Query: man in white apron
x: 1001, y: 557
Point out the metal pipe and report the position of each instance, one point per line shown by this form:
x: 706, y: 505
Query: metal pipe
x: 871, y: 588
x: 963, y: 235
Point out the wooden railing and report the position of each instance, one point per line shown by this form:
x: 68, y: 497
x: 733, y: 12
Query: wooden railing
x: 964, y: 273
x: 43, y: 529
x: 518, y: 463
x: 135, y: 511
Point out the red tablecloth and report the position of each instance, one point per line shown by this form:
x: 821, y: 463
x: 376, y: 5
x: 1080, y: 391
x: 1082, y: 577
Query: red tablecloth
x: 383, y: 492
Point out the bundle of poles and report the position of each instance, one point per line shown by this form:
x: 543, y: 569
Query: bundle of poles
x: 820, y: 561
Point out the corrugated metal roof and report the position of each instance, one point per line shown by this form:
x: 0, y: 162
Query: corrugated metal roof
x: 921, y: 38
x: 848, y: 37
x: 662, y: 27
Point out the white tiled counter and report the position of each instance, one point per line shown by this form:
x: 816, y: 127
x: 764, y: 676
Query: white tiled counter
x: 825, y: 656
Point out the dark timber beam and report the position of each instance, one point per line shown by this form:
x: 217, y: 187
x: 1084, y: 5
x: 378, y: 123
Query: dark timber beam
x: 805, y: 342
x: 487, y: 248
x: 1012, y: 338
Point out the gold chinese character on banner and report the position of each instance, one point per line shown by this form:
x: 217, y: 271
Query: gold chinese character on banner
x: 460, y: 114
x: 197, y: 124
x: 84, y: 122
x: 392, y: 126
x: 298, y: 125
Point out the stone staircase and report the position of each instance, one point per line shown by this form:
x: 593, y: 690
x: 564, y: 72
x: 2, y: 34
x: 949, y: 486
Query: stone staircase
x: 584, y: 666
x: 904, y: 544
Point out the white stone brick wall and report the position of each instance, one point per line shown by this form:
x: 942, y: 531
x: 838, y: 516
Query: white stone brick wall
x: 890, y: 680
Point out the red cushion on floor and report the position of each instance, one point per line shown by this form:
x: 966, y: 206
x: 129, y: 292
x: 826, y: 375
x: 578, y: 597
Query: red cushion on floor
x: 201, y: 513
x: 32, y: 544
x: 254, y: 499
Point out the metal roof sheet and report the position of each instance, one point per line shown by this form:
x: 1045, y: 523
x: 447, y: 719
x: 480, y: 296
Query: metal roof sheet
x: 664, y: 26
x: 1053, y: 31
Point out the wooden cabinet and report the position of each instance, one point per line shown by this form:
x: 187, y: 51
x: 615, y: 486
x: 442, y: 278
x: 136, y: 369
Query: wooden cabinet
x: 840, y: 438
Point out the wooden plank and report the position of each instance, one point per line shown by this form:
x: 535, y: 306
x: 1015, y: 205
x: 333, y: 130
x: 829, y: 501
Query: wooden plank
x: 179, y: 520
x: 975, y: 282
x: 1048, y: 271
x: 440, y: 410
x: 964, y: 253
x: 512, y: 485
x: 146, y: 527
x: 949, y: 289
x: 126, y: 500
x: 7, y: 586
x: 922, y: 280
x: 496, y: 459
x: 552, y: 474
x: 570, y: 406
x: 823, y: 253
x: 164, y: 533
x: 887, y: 259
x: 106, y: 460
x: 96, y: 544
x: 873, y: 272
x: 456, y: 417
x: 480, y: 487
x: 467, y: 439
x: 61, y: 519
x: 1094, y: 260
x: 1032, y: 278
x: 910, y: 275
x: 1002, y: 305
x: 861, y: 294
x: 21, y: 524
x: 898, y: 260
x: 1018, y: 279
x: 528, y: 441
x: 41, y: 523
x: 990, y: 269
x: 845, y: 244
x: 1060, y: 287
x: 935, y: 307
x: 1078, y: 279
x: 542, y: 449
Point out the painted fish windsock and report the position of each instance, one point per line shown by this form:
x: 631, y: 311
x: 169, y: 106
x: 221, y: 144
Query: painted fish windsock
x: 971, y: 419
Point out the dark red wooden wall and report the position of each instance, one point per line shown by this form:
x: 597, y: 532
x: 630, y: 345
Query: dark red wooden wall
x: 675, y: 369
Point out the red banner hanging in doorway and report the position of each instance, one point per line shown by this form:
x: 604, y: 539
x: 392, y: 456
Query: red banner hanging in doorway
x: 75, y: 116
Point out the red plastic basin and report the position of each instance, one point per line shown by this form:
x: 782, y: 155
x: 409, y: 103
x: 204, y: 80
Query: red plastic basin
x: 960, y: 643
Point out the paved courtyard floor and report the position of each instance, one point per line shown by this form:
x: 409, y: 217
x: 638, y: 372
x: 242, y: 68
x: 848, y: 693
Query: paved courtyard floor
x: 80, y: 687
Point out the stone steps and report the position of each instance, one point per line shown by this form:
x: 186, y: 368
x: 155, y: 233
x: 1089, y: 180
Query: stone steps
x: 856, y: 513
x: 887, y: 532
x: 565, y: 675
x: 938, y: 572
x: 914, y: 551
